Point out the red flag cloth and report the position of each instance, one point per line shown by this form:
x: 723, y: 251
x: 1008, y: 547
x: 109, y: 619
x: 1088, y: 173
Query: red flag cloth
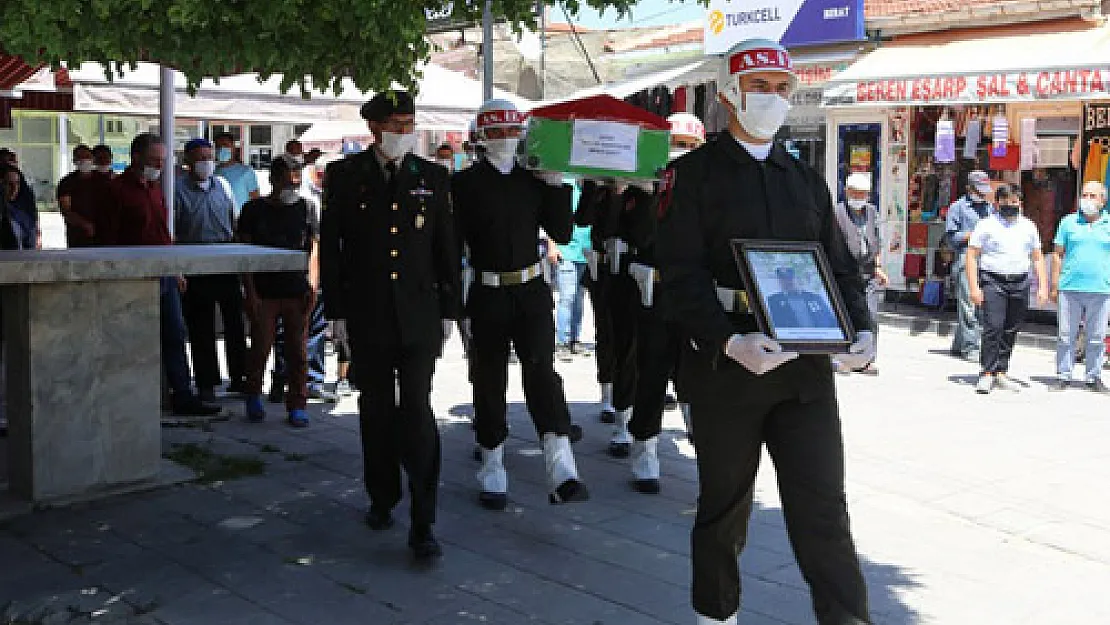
x: 602, y: 108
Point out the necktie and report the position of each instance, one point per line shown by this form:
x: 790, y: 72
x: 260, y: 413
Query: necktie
x: 391, y: 178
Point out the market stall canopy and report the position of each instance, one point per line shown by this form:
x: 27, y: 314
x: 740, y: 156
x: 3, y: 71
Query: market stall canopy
x: 446, y: 99
x: 1030, y: 67
x: 14, y: 71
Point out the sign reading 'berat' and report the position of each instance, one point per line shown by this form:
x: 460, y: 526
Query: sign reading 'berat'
x: 793, y: 23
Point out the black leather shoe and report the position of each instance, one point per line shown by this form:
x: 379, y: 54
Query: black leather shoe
x: 493, y: 501
x: 194, y: 407
x: 647, y: 487
x: 608, y: 416
x: 575, y: 433
x: 620, y: 450
x: 570, y: 491
x: 379, y: 520
x: 424, y: 545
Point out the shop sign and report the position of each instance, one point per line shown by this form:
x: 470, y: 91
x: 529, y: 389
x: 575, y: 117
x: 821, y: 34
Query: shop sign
x: 1095, y: 157
x: 793, y: 23
x: 817, y: 74
x: 1072, y: 84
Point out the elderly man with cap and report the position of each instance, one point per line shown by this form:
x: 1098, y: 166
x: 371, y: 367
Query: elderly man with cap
x: 204, y: 213
x: 859, y: 222
x: 390, y: 268
x: 963, y: 216
x: 744, y: 389
x: 500, y: 208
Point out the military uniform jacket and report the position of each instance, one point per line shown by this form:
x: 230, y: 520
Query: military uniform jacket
x: 717, y: 193
x: 627, y: 215
x: 389, y: 261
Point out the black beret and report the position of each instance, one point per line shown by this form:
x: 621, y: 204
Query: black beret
x: 388, y: 103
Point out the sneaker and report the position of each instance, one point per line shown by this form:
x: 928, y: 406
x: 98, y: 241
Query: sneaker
x: 1059, y: 385
x: 323, y: 394
x: 1098, y: 386
x: 343, y: 388
x: 985, y: 384
x: 256, y: 410
x: 563, y: 353
x: 298, y: 418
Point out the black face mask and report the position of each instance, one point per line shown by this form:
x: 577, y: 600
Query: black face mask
x: 1009, y: 210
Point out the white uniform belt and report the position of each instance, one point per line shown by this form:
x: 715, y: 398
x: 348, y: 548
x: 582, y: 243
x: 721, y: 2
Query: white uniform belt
x: 733, y: 300
x: 511, y: 278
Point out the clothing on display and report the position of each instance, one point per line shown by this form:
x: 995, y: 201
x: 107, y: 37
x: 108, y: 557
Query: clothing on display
x: 945, y: 147
x: 1028, y: 158
x: 1000, y: 135
x: 972, y: 137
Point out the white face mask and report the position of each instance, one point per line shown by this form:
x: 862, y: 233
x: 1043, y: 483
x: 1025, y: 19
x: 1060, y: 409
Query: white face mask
x: 204, y: 169
x: 395, y: 145
x: 501, y: 153
x: 1089, y: 207
x: 289, y: 196
x: 152, y: 174
x: 85, y: 166
x: 856, y: 204
x: 763, y: 114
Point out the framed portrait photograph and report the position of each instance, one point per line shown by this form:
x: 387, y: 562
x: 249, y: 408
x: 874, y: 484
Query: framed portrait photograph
x: 793, y: 296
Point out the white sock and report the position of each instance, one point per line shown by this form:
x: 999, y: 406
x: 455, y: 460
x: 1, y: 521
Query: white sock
x: 620, y: 431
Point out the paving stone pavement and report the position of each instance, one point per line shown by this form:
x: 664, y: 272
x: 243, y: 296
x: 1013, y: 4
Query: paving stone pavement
x: 966, y: 510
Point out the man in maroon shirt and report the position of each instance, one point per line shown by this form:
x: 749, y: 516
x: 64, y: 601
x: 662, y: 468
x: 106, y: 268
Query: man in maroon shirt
x: 138, y: 217
x: 82, y: 195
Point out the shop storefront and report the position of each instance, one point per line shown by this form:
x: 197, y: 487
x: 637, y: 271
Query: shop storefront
x: 920, y: 128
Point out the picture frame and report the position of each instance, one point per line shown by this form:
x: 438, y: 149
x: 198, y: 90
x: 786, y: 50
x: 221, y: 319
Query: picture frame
x: 793, y: 295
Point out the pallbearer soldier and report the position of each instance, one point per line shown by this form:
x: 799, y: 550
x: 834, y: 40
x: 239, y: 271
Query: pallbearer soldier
x: 390, y: 267
x: 500, y: 207
x: 744, y: 389
x: 657, y: 342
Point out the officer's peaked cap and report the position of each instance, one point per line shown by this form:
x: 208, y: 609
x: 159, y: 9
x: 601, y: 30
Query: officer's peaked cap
x: 387, y: 103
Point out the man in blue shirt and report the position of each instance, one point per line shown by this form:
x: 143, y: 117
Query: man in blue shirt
x: 570, y: 264
x: 963, y: 215
x: 204, y: 214
x: 243, y: 180
x: 1081, y: 279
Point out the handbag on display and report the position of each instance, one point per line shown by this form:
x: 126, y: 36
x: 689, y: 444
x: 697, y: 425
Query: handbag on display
x: 913, y: 267
x: 932, y: 293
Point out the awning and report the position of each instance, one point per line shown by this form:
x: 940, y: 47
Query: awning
x: 1031, y: 67
x: 446, y: 100
x: 14, y: 71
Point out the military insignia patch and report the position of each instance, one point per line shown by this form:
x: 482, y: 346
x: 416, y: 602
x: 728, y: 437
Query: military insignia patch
x: 666, y: 190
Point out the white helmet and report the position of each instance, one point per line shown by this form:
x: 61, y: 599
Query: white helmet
x: 763, y: 117
x: 687, y: 125
x: 498, y: 113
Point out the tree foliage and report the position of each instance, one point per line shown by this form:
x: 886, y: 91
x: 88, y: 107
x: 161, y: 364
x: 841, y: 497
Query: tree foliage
x: 313, y: 44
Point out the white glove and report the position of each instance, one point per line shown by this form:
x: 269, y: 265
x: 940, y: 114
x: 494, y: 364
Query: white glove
x: 757, y: 352
x: 448, y: 327
x: 551, y: 178
x: 861, y: 353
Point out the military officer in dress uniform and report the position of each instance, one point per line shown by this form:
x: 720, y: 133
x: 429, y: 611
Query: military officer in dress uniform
x: 390, y: 268
x: 657, y: 342
x: 500, y: 208
x: 744, y: 389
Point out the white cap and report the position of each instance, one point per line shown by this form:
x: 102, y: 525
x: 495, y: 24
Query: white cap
x: 754, y: 55
x: 858, y: 180
x: 498, y: 113
x: 687, y: 125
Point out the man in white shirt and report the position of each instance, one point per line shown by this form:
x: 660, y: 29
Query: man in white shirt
x: 999, y: 254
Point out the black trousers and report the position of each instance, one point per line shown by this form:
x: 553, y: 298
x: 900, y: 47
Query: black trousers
x: 617, y: 311
x: 198, y: 306
x: 657, y: 350
x: 396, y: 422
x: 805, y: 444
x: 521, y: 316
x: 1005, y: 303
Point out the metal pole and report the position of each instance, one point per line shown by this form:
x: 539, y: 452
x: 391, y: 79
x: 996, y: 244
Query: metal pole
x: 165, y: 128
x: 487, y: 51
x: 543, y: 48
x: 63, y: 145
x: 100, y: 127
